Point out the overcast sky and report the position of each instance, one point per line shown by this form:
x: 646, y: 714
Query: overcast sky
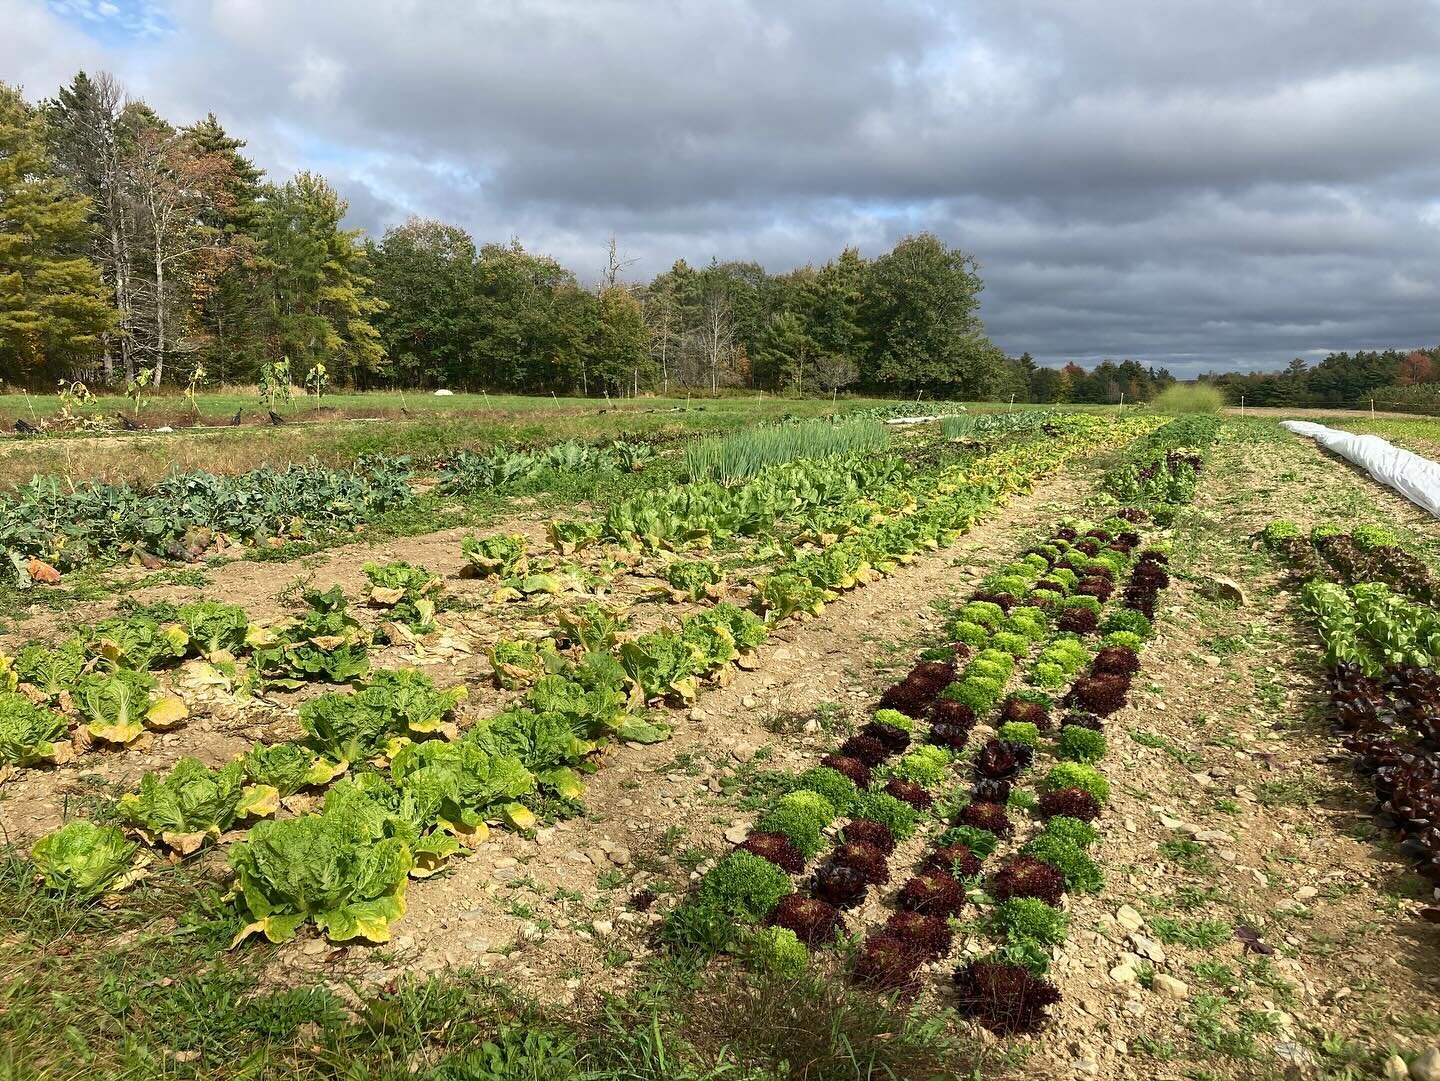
x: 1210, y: 184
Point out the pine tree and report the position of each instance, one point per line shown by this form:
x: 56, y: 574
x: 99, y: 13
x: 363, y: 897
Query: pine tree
x: 226, y: 297
x: 53, y: 305
x: 87, y: 138
x: 317, y: 299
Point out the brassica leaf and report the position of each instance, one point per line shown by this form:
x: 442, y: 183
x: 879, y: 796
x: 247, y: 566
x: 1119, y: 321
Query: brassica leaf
x: 336, y: 868
x: 190, y: 805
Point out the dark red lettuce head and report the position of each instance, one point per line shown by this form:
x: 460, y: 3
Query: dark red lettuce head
x: 776, y: 848
x: 888, y: 963
x: 843, y: 887
x: 864, y: 831
x: 870, y: 861
x: 932, y: 893
x: 985, y: 816
x: 1006, y: 999
x: 1070, y: 802
x: 956, y: 860
x: 815, y: 922
x: 930, y: 936
x: 1025, y: 876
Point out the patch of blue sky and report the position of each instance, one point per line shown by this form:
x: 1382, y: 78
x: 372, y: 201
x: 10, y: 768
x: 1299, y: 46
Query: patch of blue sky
x: 116, y: 22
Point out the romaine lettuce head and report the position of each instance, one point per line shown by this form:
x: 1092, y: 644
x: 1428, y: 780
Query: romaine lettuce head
x: 285, y: 767
x: 541, y: 741
x: 51, y: 671
x: 409, y: 695
x: 348, y: 728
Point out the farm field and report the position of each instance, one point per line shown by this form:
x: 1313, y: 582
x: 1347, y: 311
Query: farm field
x: 676, y: 745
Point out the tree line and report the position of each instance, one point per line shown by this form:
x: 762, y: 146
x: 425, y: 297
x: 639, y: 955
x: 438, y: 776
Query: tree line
x: 133, y: 249
x: 1394, y: 377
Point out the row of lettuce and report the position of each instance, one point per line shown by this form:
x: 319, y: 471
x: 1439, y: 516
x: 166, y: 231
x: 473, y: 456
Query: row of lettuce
x: 898, y: 775
x: 1038, y: 611
x: 106, y: 678
x: 412, y: 791
x: 1373, y: 605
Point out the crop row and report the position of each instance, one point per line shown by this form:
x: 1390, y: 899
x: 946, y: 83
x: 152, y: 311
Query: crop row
x: 52, y: 522
x: 417, y: 791
x: 1381, y: 650
x: 105, y: 676
x: 1162, y: 470
x: 1038, y: 611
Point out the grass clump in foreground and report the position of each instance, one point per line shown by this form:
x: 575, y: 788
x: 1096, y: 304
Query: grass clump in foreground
x: 126, y: 994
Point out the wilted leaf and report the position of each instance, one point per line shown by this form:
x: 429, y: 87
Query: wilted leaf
x: 166, y: 713
x: 42, y: 572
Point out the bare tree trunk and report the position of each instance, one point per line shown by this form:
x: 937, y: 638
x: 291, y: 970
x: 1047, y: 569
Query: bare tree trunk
x: 159, y: 311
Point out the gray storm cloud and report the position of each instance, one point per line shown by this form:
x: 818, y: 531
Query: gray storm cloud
x: 1203, y: 185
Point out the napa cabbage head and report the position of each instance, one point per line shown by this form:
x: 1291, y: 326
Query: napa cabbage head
x: 336, y: 869
x: 30, y: 735
x: 84, y: 860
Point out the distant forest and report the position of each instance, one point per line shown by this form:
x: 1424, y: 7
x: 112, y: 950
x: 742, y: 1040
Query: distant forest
x: 1404, y: 379
x: 159, y: 253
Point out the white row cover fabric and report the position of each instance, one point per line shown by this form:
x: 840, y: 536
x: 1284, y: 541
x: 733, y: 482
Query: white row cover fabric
x: 1414, y: 477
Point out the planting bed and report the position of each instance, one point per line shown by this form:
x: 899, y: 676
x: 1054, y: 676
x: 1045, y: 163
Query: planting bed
x: 647, y: 751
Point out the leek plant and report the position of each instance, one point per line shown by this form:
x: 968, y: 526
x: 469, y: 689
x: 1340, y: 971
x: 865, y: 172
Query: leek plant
x: 735, y: 458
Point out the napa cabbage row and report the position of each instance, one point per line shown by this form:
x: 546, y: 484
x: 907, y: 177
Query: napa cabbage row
x: 942, y: 506
x: 105, y: 676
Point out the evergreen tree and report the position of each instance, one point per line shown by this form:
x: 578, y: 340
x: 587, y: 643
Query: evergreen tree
x: 53, y: 305
x: 87, y: 137
x: 787, y: 356
x: 318, y: 306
